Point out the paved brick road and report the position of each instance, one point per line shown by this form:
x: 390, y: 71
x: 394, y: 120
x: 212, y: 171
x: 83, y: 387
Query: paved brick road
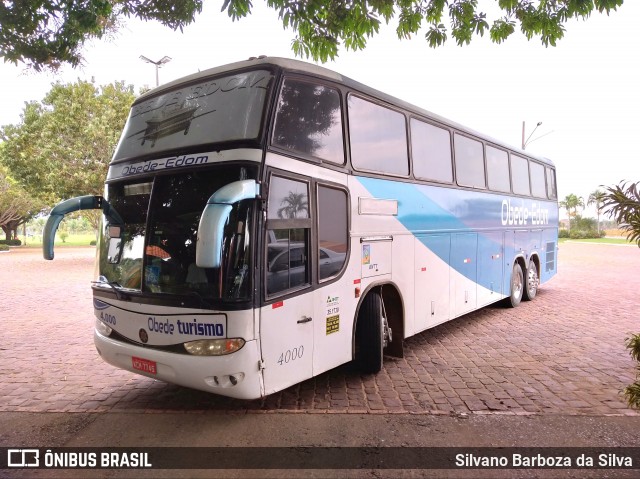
x: 561, y: 354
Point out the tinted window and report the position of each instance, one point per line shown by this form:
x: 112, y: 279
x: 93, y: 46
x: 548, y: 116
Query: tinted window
x: 498, y: 169
x: 332, y: 231
x: 132, y: 202
x: 288, y: 199
x: 309, y: 121
x: 520, y: 175
x: 378, y: 138
x: 287, y: 259
x: 551, y: 183
x: 538, y: 186
x: 469, y: 162
x: 214, y: 110
x: 431, y: 152
x: 164, y: 240
x: 288, y: 234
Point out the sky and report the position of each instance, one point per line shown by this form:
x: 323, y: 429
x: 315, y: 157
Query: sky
x: 585, y: 91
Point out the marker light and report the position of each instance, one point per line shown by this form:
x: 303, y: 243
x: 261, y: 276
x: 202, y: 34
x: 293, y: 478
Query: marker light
x: 103, y: 328
x: 214, y: 347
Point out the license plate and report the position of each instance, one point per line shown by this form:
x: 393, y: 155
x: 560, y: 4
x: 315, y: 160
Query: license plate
x: 144, y: 365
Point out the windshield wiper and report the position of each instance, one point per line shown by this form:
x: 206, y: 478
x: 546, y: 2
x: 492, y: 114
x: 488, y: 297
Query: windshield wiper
x: 115, y: 286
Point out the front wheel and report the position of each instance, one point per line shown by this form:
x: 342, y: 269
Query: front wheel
x: 532, y: 281
x: 517, y: 286
x: 370, y: 334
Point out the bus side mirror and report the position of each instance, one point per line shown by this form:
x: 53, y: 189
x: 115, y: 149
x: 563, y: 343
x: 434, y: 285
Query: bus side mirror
x: 69, y: 206
x: 214, y: 218
x: 115, y: 244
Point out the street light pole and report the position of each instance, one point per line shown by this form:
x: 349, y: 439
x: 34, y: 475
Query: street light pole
x: 524, y: 142
x: 158, y: 64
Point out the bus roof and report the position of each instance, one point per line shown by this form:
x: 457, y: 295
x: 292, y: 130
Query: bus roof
x: 299, y: 66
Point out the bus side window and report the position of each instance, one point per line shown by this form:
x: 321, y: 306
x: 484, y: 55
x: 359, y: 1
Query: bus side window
x: 520, y: 175
x: 288, y: 235
x: 288, y: 260
x: 538, y: 184
x: 498, y: 169
x: 332, y: 231
x: 309, y: 121
x: 551, y: 183
x: 469, y: 156
x: 431, y: 151
x: 378, y: 138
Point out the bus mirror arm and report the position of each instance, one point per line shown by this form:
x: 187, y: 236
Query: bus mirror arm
x: 214, y: 218
x: 62, y: 209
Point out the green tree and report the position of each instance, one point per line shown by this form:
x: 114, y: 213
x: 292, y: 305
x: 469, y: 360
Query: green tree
x: 63, y: 144
x: 622, y: 202
x: 16, y: 205
x: 571, y: 203
x: 597, y: 198
x: 46, y: 34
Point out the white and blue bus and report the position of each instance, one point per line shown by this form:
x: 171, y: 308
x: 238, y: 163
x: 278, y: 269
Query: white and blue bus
x: 269, y: 220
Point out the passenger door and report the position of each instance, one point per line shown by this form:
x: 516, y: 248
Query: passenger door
x: 286, y: 320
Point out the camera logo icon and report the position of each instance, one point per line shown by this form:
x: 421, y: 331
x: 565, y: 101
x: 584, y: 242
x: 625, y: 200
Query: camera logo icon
x: 23, y: 458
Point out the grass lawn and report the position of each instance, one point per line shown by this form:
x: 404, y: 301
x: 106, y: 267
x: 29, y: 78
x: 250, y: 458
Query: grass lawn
x: 597, y: 240
x: 75, y: 240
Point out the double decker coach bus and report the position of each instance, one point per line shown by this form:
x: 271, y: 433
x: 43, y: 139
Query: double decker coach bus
x: 269, y: 220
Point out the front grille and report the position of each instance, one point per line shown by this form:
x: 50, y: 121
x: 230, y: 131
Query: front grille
x: 172, y: 348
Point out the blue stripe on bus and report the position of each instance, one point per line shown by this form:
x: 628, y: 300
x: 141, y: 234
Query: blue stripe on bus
x: 421, y: 210
x: 425, y: 210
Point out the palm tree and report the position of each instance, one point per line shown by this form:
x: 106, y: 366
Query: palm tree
x: 571, y: 203
x: 597, y: 197
x: 623, y: 203
x: 292, y: 204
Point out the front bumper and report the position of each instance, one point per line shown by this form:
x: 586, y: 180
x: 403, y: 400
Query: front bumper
x: 234, y: 375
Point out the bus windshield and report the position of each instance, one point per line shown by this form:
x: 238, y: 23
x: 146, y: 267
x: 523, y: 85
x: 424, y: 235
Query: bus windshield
x: 154, y: 251
x: 215, y: 110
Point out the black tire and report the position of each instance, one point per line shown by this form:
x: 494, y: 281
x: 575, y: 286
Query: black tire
x: 531, y: 282
x: 517, y: 286
x: 369, y: 340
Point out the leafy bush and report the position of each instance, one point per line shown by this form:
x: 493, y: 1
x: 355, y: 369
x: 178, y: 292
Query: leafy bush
x: 585, y: 224
x: 12, y: 242
x: 585, y: 234
x: 4, y: 247
x: 623, y: 203
x: 581, y: 233
x: 632, y: 392
x: 63, y: 235
x: 92, y: 243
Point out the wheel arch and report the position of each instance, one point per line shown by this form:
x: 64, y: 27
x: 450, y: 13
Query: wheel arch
x: 535, y: 257
x: 521, y: 260
x: 394, y: 308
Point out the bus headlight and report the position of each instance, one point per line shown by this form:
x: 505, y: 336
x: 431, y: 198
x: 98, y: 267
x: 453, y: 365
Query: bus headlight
x: 214, y: 347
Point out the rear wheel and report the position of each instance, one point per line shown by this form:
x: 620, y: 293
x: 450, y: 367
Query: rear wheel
x: 517, y: 286
x: 531, y: 281
x: 370, y: 334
